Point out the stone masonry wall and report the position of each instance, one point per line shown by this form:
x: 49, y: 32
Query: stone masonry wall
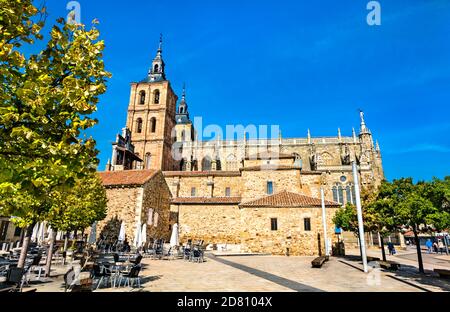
x: 122, y: 204
x: 156, y: 197
x: 212, y: 223
x: 257, y: 235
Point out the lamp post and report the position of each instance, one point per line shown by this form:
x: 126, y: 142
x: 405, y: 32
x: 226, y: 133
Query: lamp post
x: 360, y: 219
x: 324, y: 221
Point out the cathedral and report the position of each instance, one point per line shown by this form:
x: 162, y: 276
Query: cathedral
x: 259, y: 195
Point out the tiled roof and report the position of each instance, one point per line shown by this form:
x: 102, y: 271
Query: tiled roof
x: 126, y: 177
x: 206, y: 200
x: 201, y: 173
x: 288, y: 199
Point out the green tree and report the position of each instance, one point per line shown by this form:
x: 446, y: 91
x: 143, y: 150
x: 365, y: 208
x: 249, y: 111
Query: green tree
x: 46, y: 101
x: 76, y: 208
x: 413, y: 209
x: 377, y: 214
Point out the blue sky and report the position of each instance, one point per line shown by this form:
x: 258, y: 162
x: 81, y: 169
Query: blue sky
x: 298, y: 64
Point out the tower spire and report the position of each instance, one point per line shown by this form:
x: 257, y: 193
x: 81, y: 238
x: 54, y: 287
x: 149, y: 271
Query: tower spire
x: 160, y: 44
x: 156, y: 72
x: 182, y: 115
x: 363, y: 127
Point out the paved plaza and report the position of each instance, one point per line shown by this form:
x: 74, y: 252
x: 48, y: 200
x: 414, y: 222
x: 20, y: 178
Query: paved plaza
x: 265, y: 273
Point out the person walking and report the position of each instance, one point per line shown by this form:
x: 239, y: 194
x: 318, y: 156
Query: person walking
x: 441, y: 246
x: 435, y: 247
x: 391, y: 248
x: 429, y: 245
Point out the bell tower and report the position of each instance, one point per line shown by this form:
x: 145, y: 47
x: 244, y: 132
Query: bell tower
x: 151, y: 116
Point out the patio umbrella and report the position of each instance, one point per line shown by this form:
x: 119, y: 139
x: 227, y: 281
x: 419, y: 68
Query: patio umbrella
x: 122, y: 232
x: 155, y: 219
x: 59, y: 235
x: 144, y: 234
x: 174, y: 236
x: 49, y: 232
x: 35, y: 232
x: 137, y: 236
x: 93, y: 235
x: 41, y: 233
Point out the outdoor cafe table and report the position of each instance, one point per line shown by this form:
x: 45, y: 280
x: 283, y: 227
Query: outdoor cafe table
x: 116, y: 268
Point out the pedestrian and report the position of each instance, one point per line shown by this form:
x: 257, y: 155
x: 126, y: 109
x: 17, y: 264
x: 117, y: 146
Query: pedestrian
x: 435, y: 247
x: 391, y: 248
x: 429, y: 245
x: 441, y: 246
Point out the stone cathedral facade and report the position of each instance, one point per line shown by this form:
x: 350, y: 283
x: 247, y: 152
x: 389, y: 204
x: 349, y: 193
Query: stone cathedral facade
x: 249, y: 194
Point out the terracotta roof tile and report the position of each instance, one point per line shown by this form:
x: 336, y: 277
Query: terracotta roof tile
x: 288, y: 199
x: 206, y: 200
x: 126, y: 177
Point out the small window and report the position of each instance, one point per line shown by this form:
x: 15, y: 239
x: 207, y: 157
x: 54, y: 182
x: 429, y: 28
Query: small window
x: 139, y: 125
x: 155, y: 68
x: 153, y: 125
x: 193, y: 191
x: 17, y: 231
x: 269, y: 187
x: 156, y: 99
x: 142, y: 97
x: 227, y: 192
x: 307, y: 224
x: 274, y: 224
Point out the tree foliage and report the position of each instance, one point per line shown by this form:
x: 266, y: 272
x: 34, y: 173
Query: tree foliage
x: 80, y: 206
x: 46, y: 102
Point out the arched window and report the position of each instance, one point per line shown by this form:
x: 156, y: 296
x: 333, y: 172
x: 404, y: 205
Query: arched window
x: 142, y: 97
x: 181, y: 110
x: 335, y: 194
x: 183, y: 135
x: 153, y: 125
x: 175, y: 136
x: 148, y: 160
x: 341, y: 194
x: 206, y: 163
x: 348, y: 192
x: 156, y: 97
x: 139, y: 125
x: 155, y: 68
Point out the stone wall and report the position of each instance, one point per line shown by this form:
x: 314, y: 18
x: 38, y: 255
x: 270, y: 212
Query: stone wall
x: 217, y: 224
x: 122, y: 205
x: 257, y: 235
x: 132, y: 204
x: 156, y: 200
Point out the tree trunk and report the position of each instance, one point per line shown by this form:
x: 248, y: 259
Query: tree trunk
x: 66, y: 241
x: 419, y: 252
x: 383, y: 251
x: 26, y: 243
x: 48, y: 265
